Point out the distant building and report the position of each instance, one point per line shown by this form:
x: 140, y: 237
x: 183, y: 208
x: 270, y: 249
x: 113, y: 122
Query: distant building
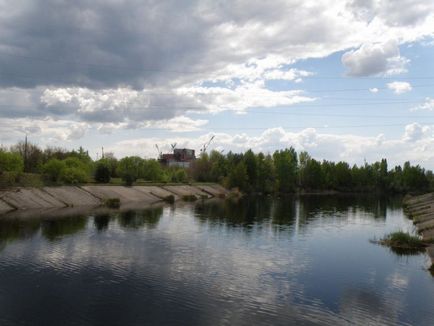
x: 181, y: 157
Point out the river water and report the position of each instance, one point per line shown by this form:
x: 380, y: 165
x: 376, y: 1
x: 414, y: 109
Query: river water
x: 259, y: 261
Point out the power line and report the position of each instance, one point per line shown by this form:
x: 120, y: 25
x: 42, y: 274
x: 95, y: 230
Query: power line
x: 211, y: 129
x: 201, y: 108
x: 135, y: 69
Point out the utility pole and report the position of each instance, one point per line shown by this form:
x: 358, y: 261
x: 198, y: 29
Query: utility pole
x: 102, y: 152
x: 25, y: 155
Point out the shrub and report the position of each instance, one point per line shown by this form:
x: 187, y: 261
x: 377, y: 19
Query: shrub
x: 73, y: 176
x: 189, y: 198
x: 112, y: 202
x: 169, y: 199
x: 179, y: 176
x: 75, y: 162
x: 53, y: 169
x: 102, y: 172
x: 152, y: 171
x: 11, y: 162
x: 130, y: 168
x: 8, y: 179
x: 403, y: 240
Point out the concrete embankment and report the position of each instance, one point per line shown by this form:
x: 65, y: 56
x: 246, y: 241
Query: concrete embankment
x: 421, y: 210
x: 19, y: 199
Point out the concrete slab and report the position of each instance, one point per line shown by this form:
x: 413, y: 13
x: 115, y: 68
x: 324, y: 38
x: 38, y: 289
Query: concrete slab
x: 422, y: 213
x: 425, y: 225
x: 421, y: 208
x: 4, y: 208
x: 48, y: 198
x: 219, y: 188
x: 419, y: 199
x: 421, y: 219
x: 30, y: 198
x: 155, y: 191
x: 186, y: 191
x: 125, y: 194
x: 213, y: 191
x: 73, y: 196
x: 428, y: 235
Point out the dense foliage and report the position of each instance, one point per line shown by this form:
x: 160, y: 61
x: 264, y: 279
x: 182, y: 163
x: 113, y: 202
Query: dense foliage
x: 282, y: 171
x: 287, y: 171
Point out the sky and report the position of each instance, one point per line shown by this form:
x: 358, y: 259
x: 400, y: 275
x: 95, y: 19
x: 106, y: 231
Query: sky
x: 348, y: 80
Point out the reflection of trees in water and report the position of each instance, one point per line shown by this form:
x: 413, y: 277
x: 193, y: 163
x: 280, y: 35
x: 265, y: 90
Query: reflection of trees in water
x: 11, y: 230
x: 57, y: 228
x: 53, y: 229
x: 244, y: 212
x: 330, y: 206
x: 283, y: 211
x: 101, y: 221
x: 403, y: 252
x: 136, y: 219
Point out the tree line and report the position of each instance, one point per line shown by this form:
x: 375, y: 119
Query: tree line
x: 28, y: 164
x: 287, y: 171
x: 283, y: 171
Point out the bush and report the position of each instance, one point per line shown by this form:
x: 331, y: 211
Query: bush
x: 169, y: 199
x: 8, y: 179
x: 152, y: 171
x: 11, y: 162
x: 73, y: 176
x: 189, y: 198
x: 130, y: 168
x: 179, y: 176
x: 102, y: 172
x: 29, y: 180
x: 53, y: 169
x: 402, y: 240
x: 75, y: 162
x: 112, y: 202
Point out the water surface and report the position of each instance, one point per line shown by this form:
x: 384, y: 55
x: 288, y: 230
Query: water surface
x: 260, y: 261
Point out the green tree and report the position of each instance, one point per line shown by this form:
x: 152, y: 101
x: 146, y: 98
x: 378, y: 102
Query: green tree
x: 53, y: 169
x: 102, y: 171
x: 266, y: 175
x: 179, y: 175
x: 152, y: 171
x: 285, y: 163
x: 130, y: 168
x: 73, y: 175
x: 343, y: 176
x: 11, y: 162
x: 251, y: 169
x: 219, y: 166
x: 238, y: 177
x: 201, y: 168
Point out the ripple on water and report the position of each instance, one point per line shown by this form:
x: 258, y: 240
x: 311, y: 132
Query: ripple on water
x: 217, y: 263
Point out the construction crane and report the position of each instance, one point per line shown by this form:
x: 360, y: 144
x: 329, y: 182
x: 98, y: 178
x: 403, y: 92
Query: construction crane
x: 205, y: 146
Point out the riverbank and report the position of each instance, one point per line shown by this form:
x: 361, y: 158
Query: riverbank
x: 421, y: 210
x: 89, y: 196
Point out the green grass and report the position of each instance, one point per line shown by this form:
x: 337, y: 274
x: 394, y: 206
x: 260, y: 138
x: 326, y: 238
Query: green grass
x: 189, y: 198
x: 402, y: 240
x: 112, y: 202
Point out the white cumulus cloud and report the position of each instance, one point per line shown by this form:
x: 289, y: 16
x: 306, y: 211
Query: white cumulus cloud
x: 375, y: 59
x: 428, y: 105
x: 399, y: 87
